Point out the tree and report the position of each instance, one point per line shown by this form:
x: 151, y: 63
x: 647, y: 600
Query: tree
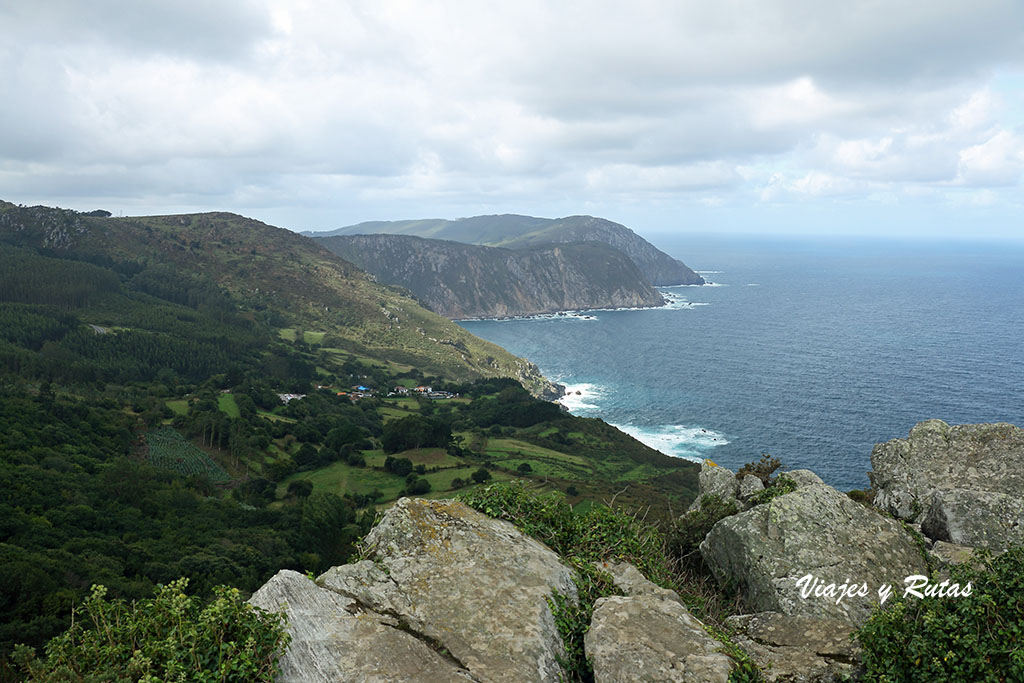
x: 481, y: 475
x: 399, y: 466
x: 300, y: 488
x: 524, y: 468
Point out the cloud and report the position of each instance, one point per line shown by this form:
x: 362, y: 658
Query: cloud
x: 367, y: 105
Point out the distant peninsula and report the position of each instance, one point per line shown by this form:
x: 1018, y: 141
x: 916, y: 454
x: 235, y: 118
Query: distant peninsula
x: 509, y: 265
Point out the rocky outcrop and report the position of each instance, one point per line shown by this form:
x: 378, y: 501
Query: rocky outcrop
x: 814, y: 531
x: 467, y: 281
x: 716, y: 481
x: 459, y: 592
x: 648, y: 635
x: 963, y: 484
x: 796, y: 649
x: 336, y: 639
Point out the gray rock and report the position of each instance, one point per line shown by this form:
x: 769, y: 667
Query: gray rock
x: 802, y: 478
x: 631, y: 582
x: 335, y: 640
x: 716, y: 481
x: 749, y: 486
x: 796, y: 649
x: 650, y: 638
x: 475, y: 585
x: 815, y: 531
x: 983, y: 464
x: 975, y: 518
x: 950, y: 553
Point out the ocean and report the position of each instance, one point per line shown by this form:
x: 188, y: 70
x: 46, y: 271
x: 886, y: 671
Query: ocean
x: 810, y: 350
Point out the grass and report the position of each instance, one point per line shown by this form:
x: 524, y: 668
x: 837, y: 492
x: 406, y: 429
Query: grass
x: 228, y: 406
x: 341, y: 478
x: 178, y: 407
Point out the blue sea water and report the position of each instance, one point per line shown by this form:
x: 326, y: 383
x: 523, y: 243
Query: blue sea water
x: 812, y: 351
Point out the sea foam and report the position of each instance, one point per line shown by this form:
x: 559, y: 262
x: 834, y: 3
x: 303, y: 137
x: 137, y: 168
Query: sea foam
x: 678, y: 441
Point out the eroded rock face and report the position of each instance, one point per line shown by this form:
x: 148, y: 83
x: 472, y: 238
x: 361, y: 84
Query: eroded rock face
x: 964, y: 484
x: 647, y: 635
x: 796, y: 649
x: 334, y: 639
x: 814, y: 530
x: 714, y: 480
x: 452, y: 591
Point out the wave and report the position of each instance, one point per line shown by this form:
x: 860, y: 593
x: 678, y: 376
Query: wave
x: 709, y: 272
x: 581, y: 396
x: 678, y: 441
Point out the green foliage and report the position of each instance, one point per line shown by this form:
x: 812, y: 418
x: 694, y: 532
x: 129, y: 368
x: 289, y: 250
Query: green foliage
x: 779, y: 487
x: 974, y: 638
x: 689, y: 531
x: 573, y: 617
x: 481, y: 475
x: 170, y: 637
x: 170, y: 450
x: 763, y: 469
x: 414, y: 431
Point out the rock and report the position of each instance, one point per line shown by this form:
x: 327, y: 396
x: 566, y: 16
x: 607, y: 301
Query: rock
x: 630, y: 581
x: 802, y: 478
x: 950, y: 553
x: 817, y: 531
x: 796, y: 649
x: 976, y: 518
x: 650, y: 638
x: 335, y: 640
x: 962, y: 483
x: 475, y: 585
x: 749, y: 486
x: 716, y: 481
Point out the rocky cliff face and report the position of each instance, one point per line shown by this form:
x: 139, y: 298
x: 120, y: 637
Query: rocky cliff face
x: 516, y: 232
x: 963, y: 484
x: 467, y: 281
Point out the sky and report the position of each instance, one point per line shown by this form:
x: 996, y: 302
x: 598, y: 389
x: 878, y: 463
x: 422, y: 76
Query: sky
x: 864, y: 117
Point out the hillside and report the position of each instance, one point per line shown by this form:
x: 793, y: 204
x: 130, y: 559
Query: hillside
x: 468, y: 281
x: 276, y: 279
x: 516, y: 232
x: 212, y: 398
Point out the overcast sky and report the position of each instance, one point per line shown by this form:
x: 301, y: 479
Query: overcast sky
x: 852, y: 116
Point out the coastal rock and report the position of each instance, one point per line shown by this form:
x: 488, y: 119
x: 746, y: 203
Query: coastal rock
x: 648, y: 637
x: 749, y: 486
x: 817, y: 531
x: 630, y: 581
x: 982, y: 519
x: 796, y: 649
x: 475, y: 585
x: 950, y: 553
x: 962, y: 483
x: 335, y: 640
x: 716, y: 481
x: 802, y: 478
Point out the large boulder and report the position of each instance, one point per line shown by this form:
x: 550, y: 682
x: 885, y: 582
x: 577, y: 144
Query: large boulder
x: 964, y: 484
x: 817, y: 532
x: 468, y: 595
x: 335, y: 640
x: 648, y: 635
x: 796, y: 649
x: 715, y: 480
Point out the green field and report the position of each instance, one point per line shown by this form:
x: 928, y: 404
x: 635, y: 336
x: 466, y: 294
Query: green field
x: 178, y: 407
x: 227, y: 405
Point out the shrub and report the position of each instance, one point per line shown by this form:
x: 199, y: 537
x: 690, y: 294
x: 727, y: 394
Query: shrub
x: 481, y: 475
x: 763, y: 469
x: 975, y: 638
x: 690, y: 530
x: 524, y: 468
x: 169, y: 637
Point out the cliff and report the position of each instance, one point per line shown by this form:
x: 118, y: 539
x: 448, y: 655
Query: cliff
x: 517, y: 232
x: 467, y: 281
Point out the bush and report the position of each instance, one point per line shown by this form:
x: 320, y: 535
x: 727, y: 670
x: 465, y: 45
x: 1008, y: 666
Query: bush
x: 975, y: 638
x: 690, y: 530
x: 169, y: 637
x: 524, y: 468
x: 763, y: 469
x: 481, y: 475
